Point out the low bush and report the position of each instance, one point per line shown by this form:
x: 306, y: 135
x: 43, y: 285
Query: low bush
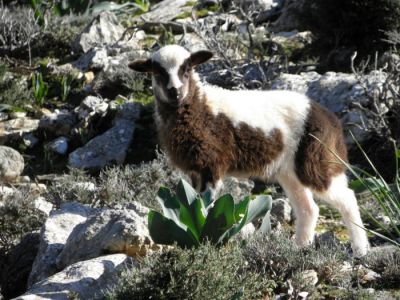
x: 202, y: 273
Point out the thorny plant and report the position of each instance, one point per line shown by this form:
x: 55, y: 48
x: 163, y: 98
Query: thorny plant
x: 18, y: 28
x: 383, y: 93
x: 231, y: 50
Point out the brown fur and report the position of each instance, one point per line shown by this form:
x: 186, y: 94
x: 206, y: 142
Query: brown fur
x: 315, y: 163
x: 208, y: 146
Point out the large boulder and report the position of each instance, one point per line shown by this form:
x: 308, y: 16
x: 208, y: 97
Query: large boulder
x: 166, y: 11
x: 110, y: 147
x: 109, y: 231
x: 83, y: 280
x: 53, y: 237
x: 104, y: 29
x: 339, y: 92
x: 11, y: 164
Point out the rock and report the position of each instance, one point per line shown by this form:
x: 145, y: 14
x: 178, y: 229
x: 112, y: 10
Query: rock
x: 3, y: 116
x: 14, y: 275
x: 104, y: 29
x: 83, y: 280
x: 282, y: 210
x: 59, y: 145
x: 90, y: 106
x: 247, y: 231
x: 237, y: 188
x: 42, y: 205
x: 338, y: 92
x: 59, y: 122
x: 5, y: 192
x: 18, y: 114
x: 11, y: 164
x: 106, y: 149
x: 289, y: 19
x: 16, y: 128
x: 310, y: 277
x: 165, y: 11
x: 108, y: 231
x: 367, y: 275
x: 53, y: 237
x: 30, y: 140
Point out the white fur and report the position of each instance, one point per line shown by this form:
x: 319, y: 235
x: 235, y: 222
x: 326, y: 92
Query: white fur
x: 170, y: 58
x: 341, y: 197
x: 268, y: 110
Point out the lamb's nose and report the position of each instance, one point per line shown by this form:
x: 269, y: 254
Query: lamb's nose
x: 173, y: 93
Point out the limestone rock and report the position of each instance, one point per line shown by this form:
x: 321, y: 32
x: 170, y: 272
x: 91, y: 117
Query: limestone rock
x: 337, y: 92
x: 238, y: 188
x: 104, y: 29
x: 53, y: 237
x: 59, y: 122
x: 165, y: 11
x: 16, y: 128
x: 59, y: 145
x: 11, y: 164
x: 282, y: 210
x: 106, y: 149
x: 108, y: 231
x: 86, y: 279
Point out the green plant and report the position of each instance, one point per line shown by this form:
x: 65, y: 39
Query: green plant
x: 189, y: 219
x: 206, y: 272
x: 387, y: 196
x: 40, y: 88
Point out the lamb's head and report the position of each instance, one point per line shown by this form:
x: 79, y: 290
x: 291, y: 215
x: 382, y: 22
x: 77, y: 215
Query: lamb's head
x: 171, y: 69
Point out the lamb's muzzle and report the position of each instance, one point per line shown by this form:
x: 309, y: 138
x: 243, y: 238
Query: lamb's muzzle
x: 210, y: 133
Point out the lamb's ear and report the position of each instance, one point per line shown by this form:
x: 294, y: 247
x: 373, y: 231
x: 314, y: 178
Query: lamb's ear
x: 141, y: 65
x: 200, y: 57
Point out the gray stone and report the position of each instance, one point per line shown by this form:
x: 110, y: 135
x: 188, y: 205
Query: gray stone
x: 282, y: 210
x: 16, y: 128
x: 59, y: 122
x: 30, y: 140
x: 11, y: 164
x: 86, y: 279
x: 59, y: 145
x: 106, y: 149
x: 338, y: 92
x: 289, y: 19
x: 108, y: 231
x: 165, y: 11
x: 53, y: 237
x: 238, y: 188
x: 91, y: 106
x: 104, y: 29
x: 3, y: 116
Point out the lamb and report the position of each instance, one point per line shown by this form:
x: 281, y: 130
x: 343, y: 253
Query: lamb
x: 209, y: 133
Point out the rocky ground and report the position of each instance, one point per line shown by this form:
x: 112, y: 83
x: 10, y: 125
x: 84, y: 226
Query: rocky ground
x: 66, y: 233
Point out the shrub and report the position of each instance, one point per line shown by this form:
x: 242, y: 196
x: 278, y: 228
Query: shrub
x: 202, y: 273
x: 278, y: 258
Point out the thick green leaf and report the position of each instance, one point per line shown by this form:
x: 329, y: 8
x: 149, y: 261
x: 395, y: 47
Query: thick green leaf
x: 206, y: 197
x: 241, y: 208
x: 265, y: 227
x: 169, y: 204
x: 220, y: 218
x: 165, y: 231
x: 186, y: 193
x: 256, y: 208
x: 189, y: 219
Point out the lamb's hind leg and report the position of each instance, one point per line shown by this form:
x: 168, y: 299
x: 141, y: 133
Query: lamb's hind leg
x: 341, y: 197
x: 305, y: 209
